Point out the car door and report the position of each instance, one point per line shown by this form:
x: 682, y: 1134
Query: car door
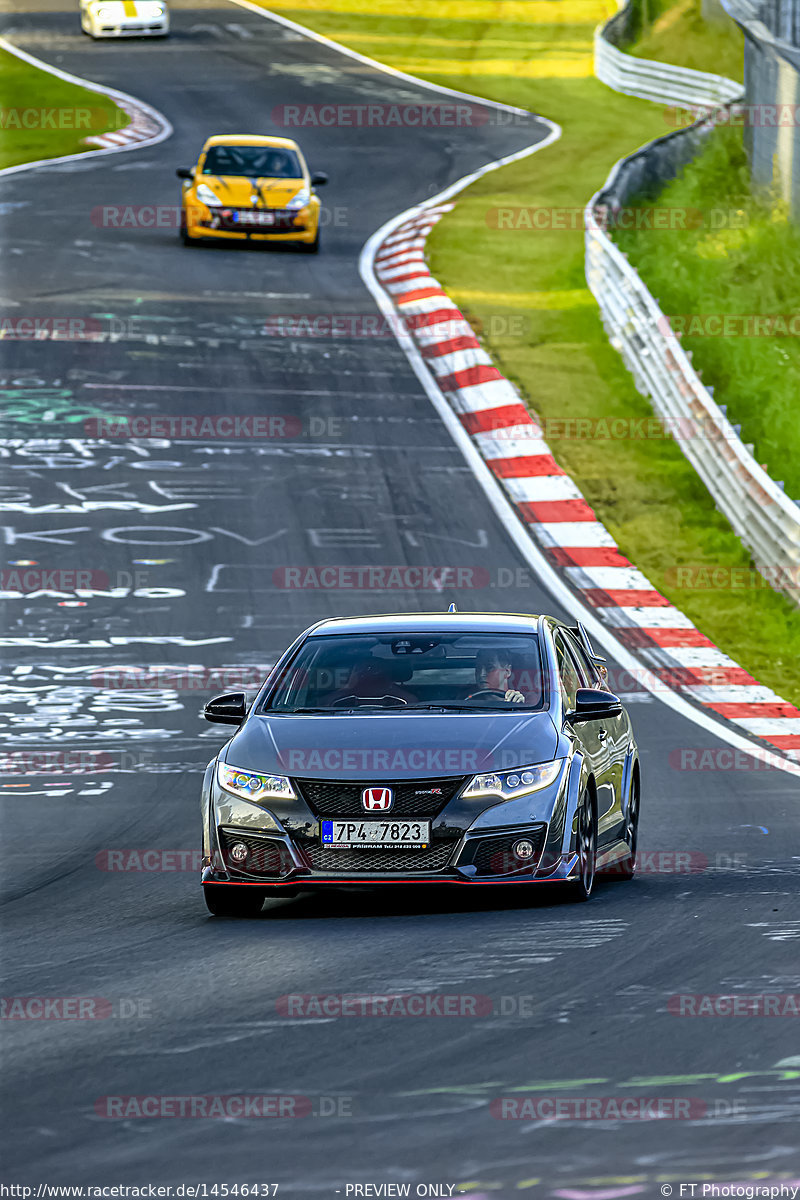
x: 618, y: 733
x: 592, y: 737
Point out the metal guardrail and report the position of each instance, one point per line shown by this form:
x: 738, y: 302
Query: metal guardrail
x: 659, y: 81
x: 766, y: 521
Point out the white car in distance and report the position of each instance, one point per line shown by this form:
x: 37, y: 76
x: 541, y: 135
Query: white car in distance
x: 124, y: 18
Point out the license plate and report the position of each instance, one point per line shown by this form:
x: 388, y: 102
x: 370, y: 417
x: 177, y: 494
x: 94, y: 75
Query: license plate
x: 411, y: 835
x: 255, y: 218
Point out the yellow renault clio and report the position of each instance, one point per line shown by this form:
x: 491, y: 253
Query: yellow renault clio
x: 251, y: 187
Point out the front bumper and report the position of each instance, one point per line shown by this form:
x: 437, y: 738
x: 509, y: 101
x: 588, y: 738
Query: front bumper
x: 131, y: 27
x: 468, y: 844
x: 281, y: 860
x: 237, y: 224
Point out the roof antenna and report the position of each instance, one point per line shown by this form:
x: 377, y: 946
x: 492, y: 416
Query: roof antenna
x: 452, y: 608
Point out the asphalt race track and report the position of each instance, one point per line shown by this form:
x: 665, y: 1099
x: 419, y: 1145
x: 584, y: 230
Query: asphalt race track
x: 580, y: 994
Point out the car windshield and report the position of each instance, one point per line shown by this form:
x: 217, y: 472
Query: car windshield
x: 254, y: 162
x: 408, y: 672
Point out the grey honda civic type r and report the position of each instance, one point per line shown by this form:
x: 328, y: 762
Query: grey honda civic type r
x: 466, y: 749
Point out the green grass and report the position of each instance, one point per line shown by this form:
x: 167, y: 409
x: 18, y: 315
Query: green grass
x: 750, y: 265
x: 678, y: 34
x: 538, y: 55
x: 28, y: 94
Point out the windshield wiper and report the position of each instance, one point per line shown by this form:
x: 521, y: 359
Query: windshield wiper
x: 290, y: 712
x: 445, y: 707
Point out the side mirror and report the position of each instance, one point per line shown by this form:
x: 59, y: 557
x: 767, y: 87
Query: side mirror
x: 592, y: 704
x: 230, y: 709
x: 184, y: 173
x: 318, y: 179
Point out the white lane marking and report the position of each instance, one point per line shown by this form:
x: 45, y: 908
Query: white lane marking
x: 539, y: 488
x: 516, y: 445
x: 583, y: 534
x: 459, y: 360
x: 663, y: 617
x: 700, y: 656
x: 496, y: 393
x: 610, y: 578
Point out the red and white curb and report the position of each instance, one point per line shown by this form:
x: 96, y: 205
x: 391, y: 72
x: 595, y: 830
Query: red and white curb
x: 552, y: 507
x: 142, y: 129
x: 147, y: 126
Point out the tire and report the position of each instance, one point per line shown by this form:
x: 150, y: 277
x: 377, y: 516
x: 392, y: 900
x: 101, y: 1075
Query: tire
x: 185, y: 236
x: 233, y: 901
x: 311, y: 247
x: 625, y: 869
x: 583, y: 887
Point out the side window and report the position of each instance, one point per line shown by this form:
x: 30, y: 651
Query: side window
x: 590, y: 676
x: 568, y: 676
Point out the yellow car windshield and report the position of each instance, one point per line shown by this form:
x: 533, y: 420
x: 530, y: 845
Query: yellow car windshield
x: 254, y: 162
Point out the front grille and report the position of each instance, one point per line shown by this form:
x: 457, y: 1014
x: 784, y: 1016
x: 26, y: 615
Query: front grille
x: 323, y: 858
x: 344, y: 799
x: 494, y: 855
x: 283, y: 221
x: 265, y: 857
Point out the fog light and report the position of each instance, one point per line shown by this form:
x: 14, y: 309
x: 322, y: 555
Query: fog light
x: 523, y: 849
x: 239, y: 852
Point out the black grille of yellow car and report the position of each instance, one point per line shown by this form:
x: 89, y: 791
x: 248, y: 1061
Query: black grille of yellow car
x: 256, y: 220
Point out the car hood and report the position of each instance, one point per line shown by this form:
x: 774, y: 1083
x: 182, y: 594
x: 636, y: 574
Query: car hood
x: 237, y: 190
x: 382, y: 747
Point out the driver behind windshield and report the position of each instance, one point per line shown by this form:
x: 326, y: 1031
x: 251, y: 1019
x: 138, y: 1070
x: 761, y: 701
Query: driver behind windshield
x: 493, y: 670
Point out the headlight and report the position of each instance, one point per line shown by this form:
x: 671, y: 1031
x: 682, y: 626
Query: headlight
x: 206, y: 196
x: 252, y: 786
x: 302, y: 198
x: 507, y: 785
